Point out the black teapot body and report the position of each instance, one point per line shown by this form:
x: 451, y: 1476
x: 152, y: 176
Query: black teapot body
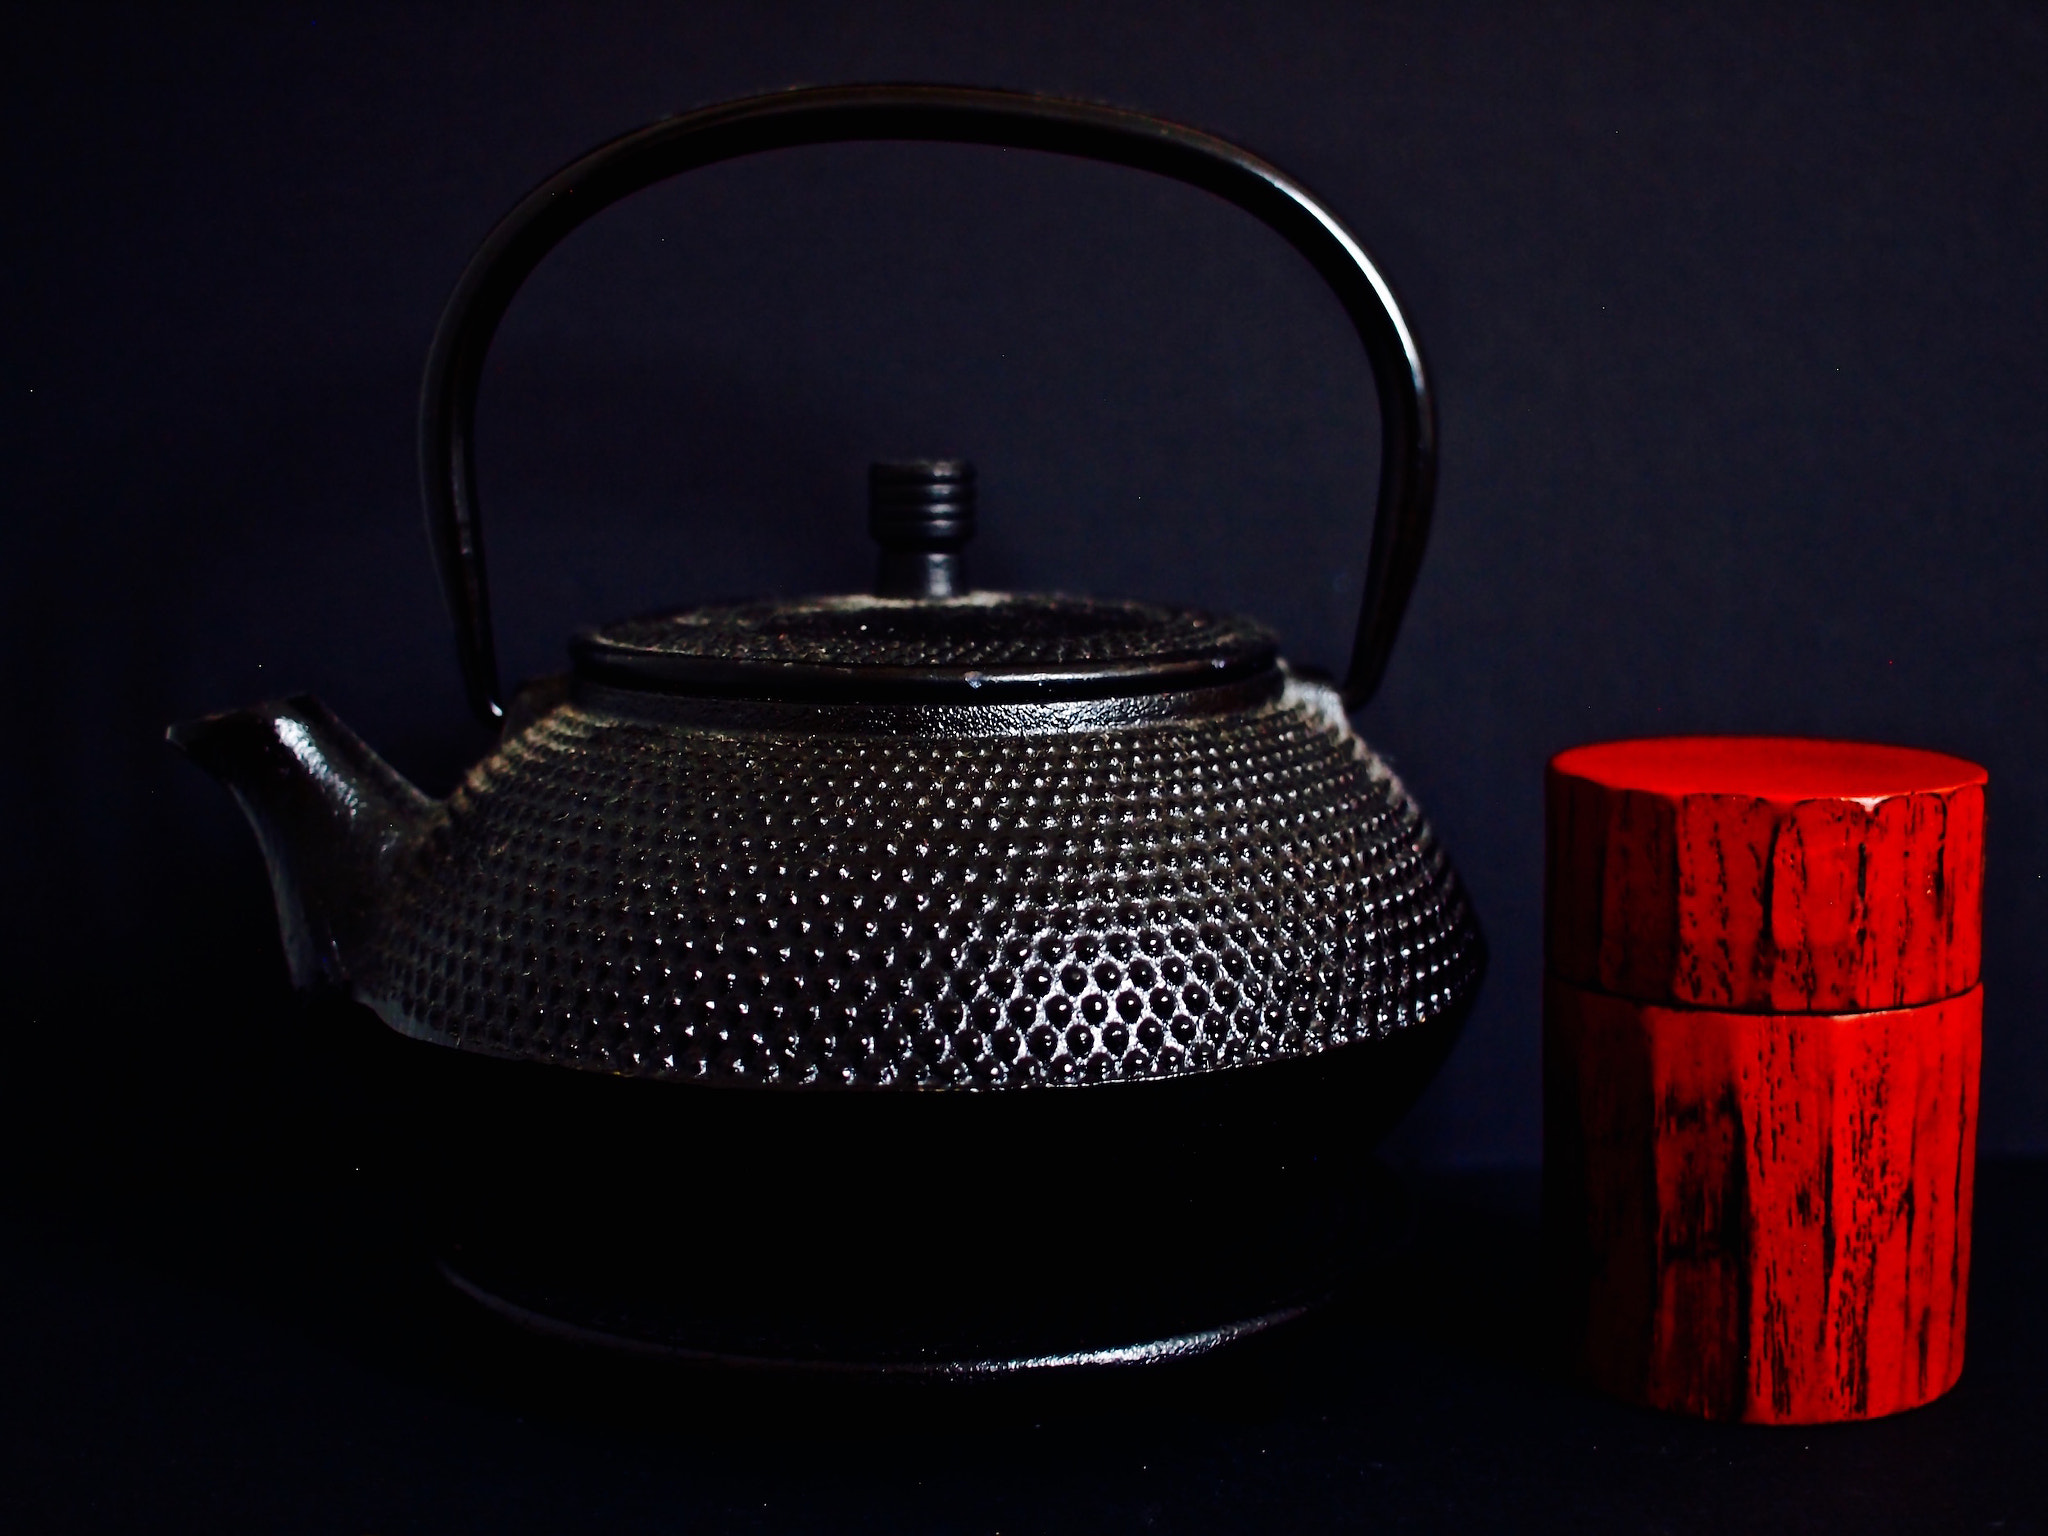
x: 932, y: 980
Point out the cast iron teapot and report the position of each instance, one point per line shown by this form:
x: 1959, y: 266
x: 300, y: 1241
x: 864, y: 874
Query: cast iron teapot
x: 1094, y: 903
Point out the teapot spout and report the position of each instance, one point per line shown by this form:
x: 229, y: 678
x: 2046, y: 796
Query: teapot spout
x: 332, y: 816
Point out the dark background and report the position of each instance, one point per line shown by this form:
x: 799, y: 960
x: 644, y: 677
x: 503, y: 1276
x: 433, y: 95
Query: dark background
x: 1738, y: 316
x: 1738, y: 326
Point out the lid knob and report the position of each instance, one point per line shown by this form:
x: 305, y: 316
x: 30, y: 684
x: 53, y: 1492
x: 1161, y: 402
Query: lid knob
x: 921, y: 511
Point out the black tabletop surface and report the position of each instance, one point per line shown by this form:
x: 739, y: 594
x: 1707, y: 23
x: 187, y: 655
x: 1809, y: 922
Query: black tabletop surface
x: 260, y: 1349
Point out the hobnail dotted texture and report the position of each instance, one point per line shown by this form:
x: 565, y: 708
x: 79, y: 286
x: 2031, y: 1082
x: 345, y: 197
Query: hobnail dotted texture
x: 980, y: 630
x: 866, y: 911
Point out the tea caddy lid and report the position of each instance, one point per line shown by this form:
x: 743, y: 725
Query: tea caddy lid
x: 922, y: 635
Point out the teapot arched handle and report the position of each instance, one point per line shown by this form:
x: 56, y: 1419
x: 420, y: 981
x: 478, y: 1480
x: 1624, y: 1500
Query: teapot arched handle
x: 949, y: 114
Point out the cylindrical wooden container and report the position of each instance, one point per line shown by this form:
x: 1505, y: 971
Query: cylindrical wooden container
x: 1761, y: 1035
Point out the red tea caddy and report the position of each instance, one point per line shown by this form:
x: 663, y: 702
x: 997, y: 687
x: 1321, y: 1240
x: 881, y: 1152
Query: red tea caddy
x: 1762, y: 1020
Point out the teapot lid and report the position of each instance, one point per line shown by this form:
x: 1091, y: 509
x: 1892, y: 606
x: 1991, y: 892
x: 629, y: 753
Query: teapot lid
x: 921, y: 636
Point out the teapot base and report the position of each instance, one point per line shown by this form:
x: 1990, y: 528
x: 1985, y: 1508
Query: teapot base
x: 892, y: 1331
x: 895, y: 1234
x: 683, y: 1340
